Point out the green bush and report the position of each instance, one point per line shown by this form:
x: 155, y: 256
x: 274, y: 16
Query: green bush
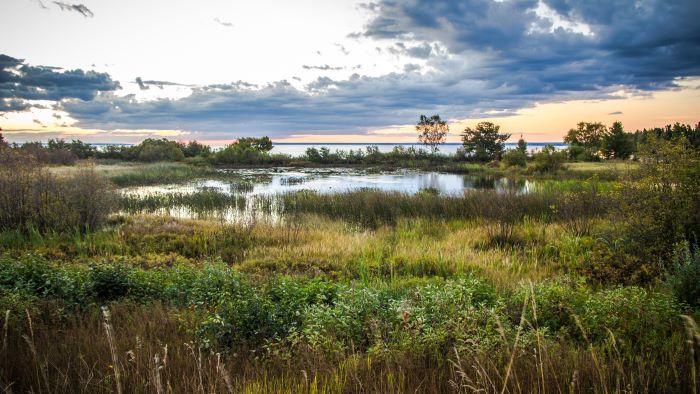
x: 684, y: 277
x: 548, y: 160
x: 109, y: 282
x: 515, y: 158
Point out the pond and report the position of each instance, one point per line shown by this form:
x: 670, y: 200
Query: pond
x: 260, y: 186
x: 272, y: 181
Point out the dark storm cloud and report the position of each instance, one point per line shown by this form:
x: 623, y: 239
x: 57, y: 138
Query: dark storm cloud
x: 19, y: 82
x: 324, y: 106
x: 639, y: 44
x: 80, y: 8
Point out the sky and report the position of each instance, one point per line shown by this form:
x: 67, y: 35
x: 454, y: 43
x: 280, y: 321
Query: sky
x: 342, y: 70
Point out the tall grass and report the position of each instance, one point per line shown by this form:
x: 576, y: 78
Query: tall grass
x: 159, y: 174
x: 201, y: 201
x: 283, y: 335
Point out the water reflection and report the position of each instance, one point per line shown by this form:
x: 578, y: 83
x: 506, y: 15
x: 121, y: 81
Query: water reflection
x: 261, y: 186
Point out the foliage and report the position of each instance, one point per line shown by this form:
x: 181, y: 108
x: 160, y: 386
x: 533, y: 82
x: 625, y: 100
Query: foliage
x: 672, y: 132
x: 684, y: 275
x: 432, y: 131
x: 515, y: 158
x: 484, y: 142
x: 195, y: 149
x: 548, y: 160
x: 658, y: 208
x: 159, y: 150
x: 32, y: 198
x: 617, y: 143
x: 586, y: 141
x: 248, y: 151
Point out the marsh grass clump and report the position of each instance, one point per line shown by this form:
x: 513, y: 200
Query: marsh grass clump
x: 201, y: 201
x: 501, y: 211
x: 159, y: 174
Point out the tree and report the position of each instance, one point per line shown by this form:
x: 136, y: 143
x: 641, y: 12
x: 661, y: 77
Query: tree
x: 484, y: 142
x: 432, y: 131
x: 522, y: 145
x: 586, y: 141
x: 194, y: 148
x: 617, y: 144
x: 159, y: 150
x: 262, y: 144
x: 3, y: 143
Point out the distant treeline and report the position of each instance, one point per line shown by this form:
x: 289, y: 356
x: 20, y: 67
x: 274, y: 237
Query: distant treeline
x: 587, y: 142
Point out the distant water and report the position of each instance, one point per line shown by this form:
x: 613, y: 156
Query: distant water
x: 299, y: 149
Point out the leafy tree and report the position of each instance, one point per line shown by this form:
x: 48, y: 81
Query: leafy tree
x: 432, y: 131
x: 586, y: 141
x: 3, y: 143
x: 246, y: 150
x: 617, y: 144
x: 81, y: 149
x: 262, y: 144
x: 671, y: 133
x: 159, y: 150
x: 194, y: 149
x: 484, y: 142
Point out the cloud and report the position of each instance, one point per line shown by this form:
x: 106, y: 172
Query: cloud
x: 422, y: 51
x: 342, y: 49
x: 80, y: 8
x: 324, y: 67
x: 556, y: 45
x: 324, y: 106
x: 20, y: 82
x: 223, y: 23
x: 616, y: 113
x: 142, y: 85
x: 477, y: 58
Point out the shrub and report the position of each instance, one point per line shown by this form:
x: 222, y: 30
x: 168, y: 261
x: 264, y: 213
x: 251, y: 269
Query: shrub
x: 515, y: 158
x: 109, y: 282
x: 684, y: 278
x: 159, y: 150
x: 34, y: 198
x: 548, y: 160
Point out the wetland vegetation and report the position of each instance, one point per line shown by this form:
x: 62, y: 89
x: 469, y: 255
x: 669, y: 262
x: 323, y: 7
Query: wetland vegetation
x: 175, y: 274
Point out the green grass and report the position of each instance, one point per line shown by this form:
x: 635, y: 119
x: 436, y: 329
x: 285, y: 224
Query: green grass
x: 157, y: 174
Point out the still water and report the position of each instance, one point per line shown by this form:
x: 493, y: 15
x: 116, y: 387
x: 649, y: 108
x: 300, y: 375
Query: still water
x: 256, y: 182
x: 262, y: 187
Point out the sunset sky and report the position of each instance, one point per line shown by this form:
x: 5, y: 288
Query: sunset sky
x: 342, y: 70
